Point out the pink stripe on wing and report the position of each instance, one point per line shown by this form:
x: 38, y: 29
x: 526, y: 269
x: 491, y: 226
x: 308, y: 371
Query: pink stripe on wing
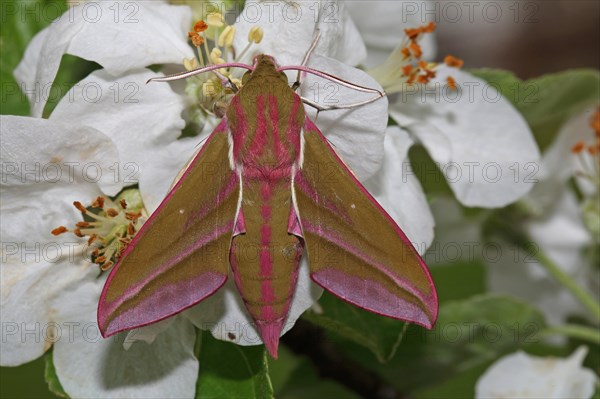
x: 221, y: 196
x: 370, y: 295
x: 164, y: 302
x: 134, y: 289
x: 332, y: 237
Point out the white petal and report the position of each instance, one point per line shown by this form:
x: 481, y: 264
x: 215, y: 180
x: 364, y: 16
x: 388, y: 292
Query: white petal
x: 288, y: 31
x: 159, y: 175
x: 512, y: 271
x: 558, y: 164
x: 397, y: 189
x: 558, y: 160
x: 140, y: 118
x: 520, y: 375
x: 148, y: 333
x: 29, y: 289
x: 47, y: 166
x: 356, y: 134
x: 561, y: 234
x: 382, y: 24
x: 493, y: 156
x: 92, y: 367
x: 26, y: 223
x: 145, y: 33
x: 83, y: 154
x: 225, y: 313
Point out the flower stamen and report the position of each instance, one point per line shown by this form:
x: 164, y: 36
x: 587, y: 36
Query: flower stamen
x: 59, y: 230
x: 406, y: 67
x: 109, y: 230
x: 588, y: 154
x: 209, y: 95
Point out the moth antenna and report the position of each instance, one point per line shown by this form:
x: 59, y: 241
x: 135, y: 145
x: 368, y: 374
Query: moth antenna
x: 333, y: 78
x: 321, y: 108
x: 187, y: 74
x: 310, y: 50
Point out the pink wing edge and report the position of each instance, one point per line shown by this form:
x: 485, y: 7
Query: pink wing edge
x: 432, y: 299
x: 103, y: 313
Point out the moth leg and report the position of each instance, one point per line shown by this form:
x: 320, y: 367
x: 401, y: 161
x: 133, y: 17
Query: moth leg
x: 226, y: 81
x: 313, y: 44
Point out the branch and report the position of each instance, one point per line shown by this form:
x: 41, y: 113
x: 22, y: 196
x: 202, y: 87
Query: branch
x: 310, y: 340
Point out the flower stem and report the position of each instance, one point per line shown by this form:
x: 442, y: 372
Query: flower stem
x: 582, y: 295
x: 575, y: 331
x: 198, y: 343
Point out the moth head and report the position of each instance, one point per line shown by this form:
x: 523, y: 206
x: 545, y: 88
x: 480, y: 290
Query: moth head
x: 265, y: 66
x: 264, y: 60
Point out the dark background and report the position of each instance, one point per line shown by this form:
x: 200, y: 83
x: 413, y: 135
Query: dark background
x: 529, y: 38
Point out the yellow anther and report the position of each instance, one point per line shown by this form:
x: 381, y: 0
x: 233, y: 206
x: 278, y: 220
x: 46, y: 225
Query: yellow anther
x: 256, y: 34
x: 214, y: 20
x: 190, y: 64
x: 226, y: 37
x: 215, y: 56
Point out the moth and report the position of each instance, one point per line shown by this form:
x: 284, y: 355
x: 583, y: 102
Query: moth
x: 265, y: 188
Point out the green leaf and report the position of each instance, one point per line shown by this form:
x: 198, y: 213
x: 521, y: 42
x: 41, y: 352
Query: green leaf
x: 460, y: 386
x: 548, y: 101
x: 52, y: 378
x: 428, y: 172
x: 468, y: 334
x: 282, y: 368
x: 381, y: 335
x: 232, y: 371
x: 483, y: 328
x: 295, y: 377
x: 304, y: 383
x: 24, y: 381
x: 457, y: 280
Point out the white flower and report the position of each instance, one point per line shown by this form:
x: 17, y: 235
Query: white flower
x: 520, y: 375
x: 554, y: 224
x: 575, y: 153
x: 557, y: 227
x: 477, y: 142
x: 382, y: 23
x: 49, y: 289
x: 561, y: 235
x: 141, y: 119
